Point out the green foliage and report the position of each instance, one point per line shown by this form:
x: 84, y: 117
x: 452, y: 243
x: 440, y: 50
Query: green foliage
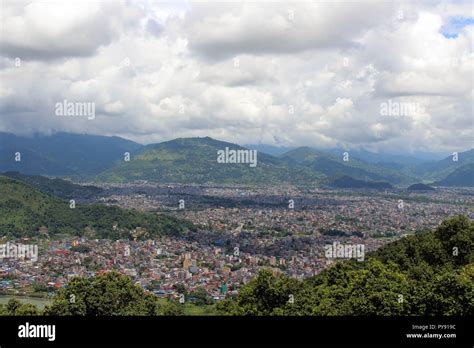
x: 170, y: 308
x: 102, y: 295
x: 264, y: 295
x: 15, y: 307
x: 200, y: 296
x: 113, y: 294
x: 40, y: 287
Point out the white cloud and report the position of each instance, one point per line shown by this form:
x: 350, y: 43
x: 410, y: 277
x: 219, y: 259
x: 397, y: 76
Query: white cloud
x: 51, y: 30
x: 158, y: 71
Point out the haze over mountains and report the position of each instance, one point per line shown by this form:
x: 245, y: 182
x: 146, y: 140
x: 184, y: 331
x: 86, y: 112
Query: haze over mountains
x: 332, y: 165
x: 462, y: 176
x: 194, y: 160
x: 62, y: 153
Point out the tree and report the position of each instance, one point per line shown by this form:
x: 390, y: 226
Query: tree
x: 201, y: 296
x: 170, y: 308
x: 15, y: 307
x: 107, y: 294
x: 263, y: 295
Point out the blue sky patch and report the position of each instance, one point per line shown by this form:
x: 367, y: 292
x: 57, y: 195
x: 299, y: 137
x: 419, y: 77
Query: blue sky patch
x: 451, y: 30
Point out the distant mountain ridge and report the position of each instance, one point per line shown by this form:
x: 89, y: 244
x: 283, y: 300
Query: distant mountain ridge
x: 194, y: 160
x: 441, y: 169
x: 270, y: 149
x: 62, y: 153
x: 462, y: 176
x: 333, y: 166
x: 377, y: 158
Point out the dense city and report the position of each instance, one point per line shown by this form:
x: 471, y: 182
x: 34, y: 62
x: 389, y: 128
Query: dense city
x: 239, y: 231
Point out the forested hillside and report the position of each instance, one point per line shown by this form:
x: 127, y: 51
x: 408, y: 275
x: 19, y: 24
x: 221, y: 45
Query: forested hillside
x: 25, y: 211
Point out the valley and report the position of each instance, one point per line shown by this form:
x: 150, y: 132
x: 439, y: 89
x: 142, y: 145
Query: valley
x: 236, y: 231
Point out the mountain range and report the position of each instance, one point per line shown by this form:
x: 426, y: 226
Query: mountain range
x: 62, y: 153
x: 194, y: 160
x: 331, y: 165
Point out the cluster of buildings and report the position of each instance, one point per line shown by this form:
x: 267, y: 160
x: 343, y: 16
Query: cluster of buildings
x: 284, y: 229
x: 163, y: 265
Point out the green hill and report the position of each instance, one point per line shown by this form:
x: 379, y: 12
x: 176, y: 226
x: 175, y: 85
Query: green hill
x: 332, y: 166
x: 56, y: 186
x: 194, y: 160
x: 461, y: 177
x: 24, y: 211
x: 420, y: 187
x: 346, y: 181
x: 441, y: 169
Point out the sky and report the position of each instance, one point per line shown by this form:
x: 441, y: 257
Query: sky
x: 385, y: 76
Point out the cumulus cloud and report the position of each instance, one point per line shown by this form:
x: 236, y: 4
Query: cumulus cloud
x: 308, y: 73
x: 229, y: 29
x: 45, y: 30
